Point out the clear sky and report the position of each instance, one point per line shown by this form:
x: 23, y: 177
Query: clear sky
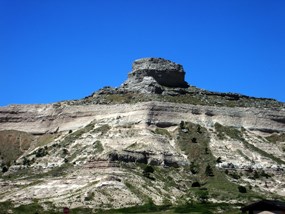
x: 54, y: 50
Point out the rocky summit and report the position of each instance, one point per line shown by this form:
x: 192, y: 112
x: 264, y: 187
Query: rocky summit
x: 153, y: 143
x: 164, y: 72
x: 153, y: 75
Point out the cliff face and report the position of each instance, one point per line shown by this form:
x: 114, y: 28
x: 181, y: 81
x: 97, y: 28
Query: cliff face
x: 68, y: 152
x: 164, y: 72
x: 41, y: 119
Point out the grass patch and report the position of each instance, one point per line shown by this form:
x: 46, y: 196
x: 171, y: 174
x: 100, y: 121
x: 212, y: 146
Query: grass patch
x: 12, y: 145
x: 232, y: 132
x: 236, y: 134
x: 149, y: 207
x: 194, y: 140
x: 31, y: 174
x: 102, y: 129
x: 136, y: 191
x: 6, y: 207
x: 262, y: 153
x: 201, y: 159
x: 274, y: 138
x: 244, y: 155
x: 191, y: 95
x: 81, y: 210
x: 97, y: 145
x: 72, y: 137
x: 45, y: 139
x: 201, y: 208
x: 164, y: 132
x: 135, y: 145
x: 206, y: 208
x: 57, y: 171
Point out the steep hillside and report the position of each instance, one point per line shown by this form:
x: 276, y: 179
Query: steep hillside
x: 150, y: 143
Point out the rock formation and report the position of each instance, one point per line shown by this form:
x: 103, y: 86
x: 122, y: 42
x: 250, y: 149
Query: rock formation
x: 150, y: 75
x: 105, y: 145
x: 165, y: 72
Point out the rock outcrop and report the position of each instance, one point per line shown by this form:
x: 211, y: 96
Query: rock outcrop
x: 155, y: 73
x: 151, y: 138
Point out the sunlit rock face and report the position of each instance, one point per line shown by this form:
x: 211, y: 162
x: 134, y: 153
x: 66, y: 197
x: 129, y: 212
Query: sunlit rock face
x: 152, y: 138
x: 164, y: 72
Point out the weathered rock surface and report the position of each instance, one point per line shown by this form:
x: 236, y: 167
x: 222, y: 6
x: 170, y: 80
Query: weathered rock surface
x: 40, y: 119
x: 85, y: 148
x: 150, y: 75
x: 165, y: 72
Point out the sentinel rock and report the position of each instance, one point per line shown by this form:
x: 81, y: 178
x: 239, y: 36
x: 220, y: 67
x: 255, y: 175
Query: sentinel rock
x: 154, y: 74
x: 165, y: 72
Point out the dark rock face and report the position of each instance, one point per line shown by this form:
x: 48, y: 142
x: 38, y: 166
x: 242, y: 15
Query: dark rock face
x: 146, y: 157
x: 164, y: 72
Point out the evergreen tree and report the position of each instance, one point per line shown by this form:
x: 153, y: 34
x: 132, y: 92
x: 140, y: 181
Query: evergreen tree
x: 209, y: 171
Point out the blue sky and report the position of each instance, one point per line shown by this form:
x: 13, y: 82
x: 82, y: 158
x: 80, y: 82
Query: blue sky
x: 54, y: 50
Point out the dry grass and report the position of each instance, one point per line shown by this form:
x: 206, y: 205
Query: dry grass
x: 13, y: 144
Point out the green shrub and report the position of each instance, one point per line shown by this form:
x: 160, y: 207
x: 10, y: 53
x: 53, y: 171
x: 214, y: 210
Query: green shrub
x: 98, y: 146
x: 41, y: 152
x: 196, y: 184
x: 149, y: 169
x: 219, y: 160
x: 5, y: 169
x: 147, y: 172
x: 206, y: 151
x: 209, y: 171
x: 64, y: 151
x: 234, y: 175
x: 242, y: 189
x: 194, y: 168
x: 182, y: 125
x: 27, y: 161
x: 264, y: 174
x: 202, y: 195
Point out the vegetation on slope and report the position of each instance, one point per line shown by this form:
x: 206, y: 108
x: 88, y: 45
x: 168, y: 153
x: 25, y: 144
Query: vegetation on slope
x: 150, y: 207
x: 12, y: 145
x: 194, y: 142
x: 191, y: 95
x: 200, y: 181
x: 276, y: 138
x: 237, y: 134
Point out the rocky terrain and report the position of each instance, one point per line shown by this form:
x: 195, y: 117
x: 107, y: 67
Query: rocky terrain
x: 155, y: 139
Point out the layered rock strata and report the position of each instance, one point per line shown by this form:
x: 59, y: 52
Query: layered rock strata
x: 40, y: 119
x: 85, y: 148
x: 151, y: 75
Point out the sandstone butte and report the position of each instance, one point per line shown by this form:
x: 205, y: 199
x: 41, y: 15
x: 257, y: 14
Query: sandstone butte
x: 155, y: 140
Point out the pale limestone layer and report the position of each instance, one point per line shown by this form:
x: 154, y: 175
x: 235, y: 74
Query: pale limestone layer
x: 50, y: 118
x: 131, y: 134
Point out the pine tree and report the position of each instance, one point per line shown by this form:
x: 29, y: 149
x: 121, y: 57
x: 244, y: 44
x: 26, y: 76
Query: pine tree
x: 209, y: 171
